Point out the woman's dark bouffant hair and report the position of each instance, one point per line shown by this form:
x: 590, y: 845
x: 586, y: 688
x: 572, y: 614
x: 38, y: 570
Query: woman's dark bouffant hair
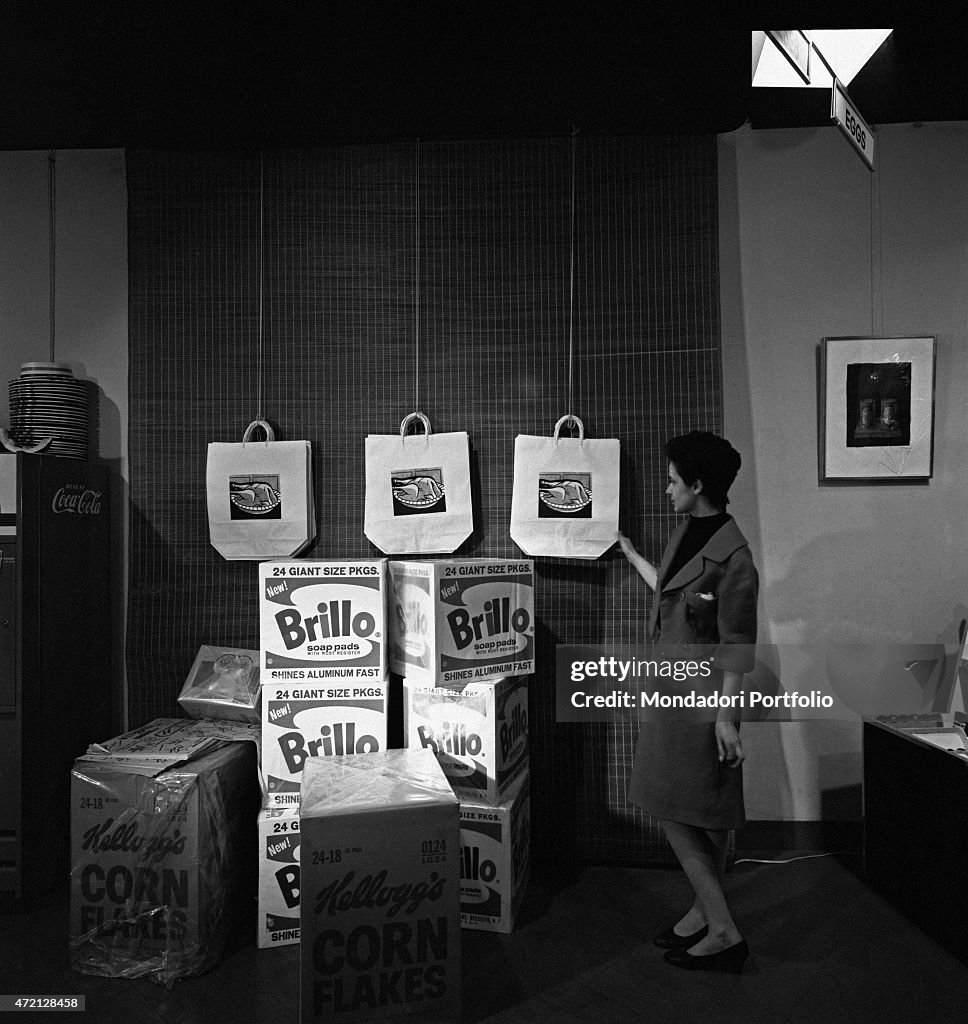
x: 700, y: 455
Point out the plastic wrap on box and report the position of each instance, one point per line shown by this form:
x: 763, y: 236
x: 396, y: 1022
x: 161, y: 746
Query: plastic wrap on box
x: 317, y: 719
x: 478, y: 732
x: 162, y: 874
x: 380, y: 889
x: 223, y: 683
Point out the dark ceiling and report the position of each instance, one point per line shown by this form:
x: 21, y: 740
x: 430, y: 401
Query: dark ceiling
x: 306, y: 74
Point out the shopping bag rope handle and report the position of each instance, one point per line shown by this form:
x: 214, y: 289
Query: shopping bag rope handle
x: 408, y: 419
x: 251, y: 428
x: 573, y: 421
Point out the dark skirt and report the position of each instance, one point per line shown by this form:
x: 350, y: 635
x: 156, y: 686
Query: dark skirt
x: 677, y: 776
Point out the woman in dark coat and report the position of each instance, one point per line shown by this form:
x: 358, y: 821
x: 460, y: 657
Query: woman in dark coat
x: 686, y: 773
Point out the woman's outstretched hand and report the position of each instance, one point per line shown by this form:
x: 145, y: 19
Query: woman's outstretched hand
x: 628, y: 549
x: 641, y: 565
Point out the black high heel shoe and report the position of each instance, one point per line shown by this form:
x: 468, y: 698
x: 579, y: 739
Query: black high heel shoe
x: 729, y: 960
x: 671, y: 939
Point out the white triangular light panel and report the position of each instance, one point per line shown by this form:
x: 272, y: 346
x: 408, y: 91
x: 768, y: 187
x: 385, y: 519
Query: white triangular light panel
x: 846, y: 50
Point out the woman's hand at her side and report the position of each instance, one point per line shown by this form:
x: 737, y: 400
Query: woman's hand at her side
x: 729, y: 745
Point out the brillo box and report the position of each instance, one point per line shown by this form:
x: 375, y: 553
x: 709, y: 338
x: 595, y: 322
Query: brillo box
x: 495, y: 859
x: 461, y: 620
x: 323, y: 620
x: 324, y: 719
x: 478, y: 732
x: 279, y: 840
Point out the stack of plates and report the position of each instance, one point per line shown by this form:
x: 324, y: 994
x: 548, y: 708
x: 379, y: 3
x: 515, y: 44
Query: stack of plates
x: 47, y: 401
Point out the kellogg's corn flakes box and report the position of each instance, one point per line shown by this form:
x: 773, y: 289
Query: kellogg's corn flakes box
x: 162, y: 872
x: 380, y: 902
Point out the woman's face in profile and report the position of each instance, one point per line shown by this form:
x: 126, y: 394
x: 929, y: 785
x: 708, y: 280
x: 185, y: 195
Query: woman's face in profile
x: 683, y: 495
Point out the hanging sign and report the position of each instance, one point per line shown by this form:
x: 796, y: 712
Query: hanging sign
x: 847, y: 117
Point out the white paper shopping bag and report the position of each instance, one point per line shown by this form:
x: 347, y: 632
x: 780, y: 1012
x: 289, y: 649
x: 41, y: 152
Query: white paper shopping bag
x: 260, y: 496
x: 566, y: 491
x: 418, y: 490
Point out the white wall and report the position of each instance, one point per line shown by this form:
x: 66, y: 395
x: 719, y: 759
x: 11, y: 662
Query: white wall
x: 858, y: 580
x: 91, y: 278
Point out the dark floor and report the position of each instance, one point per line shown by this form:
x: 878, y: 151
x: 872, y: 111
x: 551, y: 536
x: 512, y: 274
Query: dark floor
x: 825, y: 948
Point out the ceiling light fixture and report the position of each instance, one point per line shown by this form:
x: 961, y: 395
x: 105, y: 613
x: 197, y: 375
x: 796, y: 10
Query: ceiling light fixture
x: 843, y: 50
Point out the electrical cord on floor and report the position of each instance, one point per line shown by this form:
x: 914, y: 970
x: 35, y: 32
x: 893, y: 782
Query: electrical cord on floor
x: 790, y: 860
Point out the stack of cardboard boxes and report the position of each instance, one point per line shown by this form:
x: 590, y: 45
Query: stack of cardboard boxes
x: 371, y: 859
x: 462, y: 637
x: 359, y: 845
x: 461, y: 634
x: 323, y: 629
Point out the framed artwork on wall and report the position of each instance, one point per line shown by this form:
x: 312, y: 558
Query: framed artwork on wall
x: 877, y: 409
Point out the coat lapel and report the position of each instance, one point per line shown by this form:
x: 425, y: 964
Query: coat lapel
x: 717, y: 549
x: 675, y: 539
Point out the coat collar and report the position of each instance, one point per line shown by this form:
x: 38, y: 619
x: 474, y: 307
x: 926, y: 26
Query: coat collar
x: 717, y: 549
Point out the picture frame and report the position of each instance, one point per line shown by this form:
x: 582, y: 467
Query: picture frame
x: 877, y: 409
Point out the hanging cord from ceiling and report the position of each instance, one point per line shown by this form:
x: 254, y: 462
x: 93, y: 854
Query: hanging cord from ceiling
x: 571, y: 278
x: 416, y: 275
x: 260, y: 361
x: 52, y: 240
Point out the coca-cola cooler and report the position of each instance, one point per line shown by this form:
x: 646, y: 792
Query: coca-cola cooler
x: 56, y: 630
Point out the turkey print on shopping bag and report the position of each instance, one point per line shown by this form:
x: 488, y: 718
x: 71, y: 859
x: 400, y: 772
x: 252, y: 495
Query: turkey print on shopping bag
x: 418, y: 491
x: 565, y: 496
x: 255, y: 497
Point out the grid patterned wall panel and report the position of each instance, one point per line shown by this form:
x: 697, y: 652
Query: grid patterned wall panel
x: 434, y: 276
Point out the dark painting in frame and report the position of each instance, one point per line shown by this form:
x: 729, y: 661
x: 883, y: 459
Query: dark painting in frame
x: 877, y: 408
